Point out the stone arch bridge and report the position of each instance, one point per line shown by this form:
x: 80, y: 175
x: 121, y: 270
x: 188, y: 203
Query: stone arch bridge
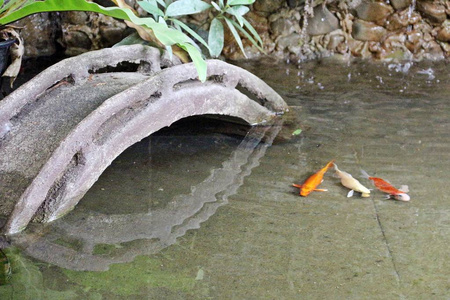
x: 60, y: 131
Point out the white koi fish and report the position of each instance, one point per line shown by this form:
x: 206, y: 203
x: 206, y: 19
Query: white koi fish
x: 353, y: 184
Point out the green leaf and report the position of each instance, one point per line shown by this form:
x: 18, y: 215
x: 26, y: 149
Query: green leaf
x: 238, y: 10
x: 253, y: 31
x: 191, y: 32
x: 215, y: 37
x: 217, y: 7
x: 69, y: 5
x: 151, y: 6
x: 12, y: 5
x: 170, y: 51
x: 297, y: 132
x: 168, y: 36
x: 197, y: 59
x: 235, y: 34
x: 186, y: 7
x: 240, y: 20
x: 248, y: 36
x: 132, y: 39
x: 240, y: 2
x: 162, y: 3
x: 220, y: 3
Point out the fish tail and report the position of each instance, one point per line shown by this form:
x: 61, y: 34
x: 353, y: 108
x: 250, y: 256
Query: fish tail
x: 364, y: 174
x: 330, y: 163
x: 404, y: 188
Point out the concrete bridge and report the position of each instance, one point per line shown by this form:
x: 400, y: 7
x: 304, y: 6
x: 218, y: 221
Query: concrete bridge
x: 59, y: 131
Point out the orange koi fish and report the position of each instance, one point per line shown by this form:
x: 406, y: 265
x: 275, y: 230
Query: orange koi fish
x: 313, y: 181
x: 386, y: 187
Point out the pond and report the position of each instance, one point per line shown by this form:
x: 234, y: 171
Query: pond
x: 206, y: 210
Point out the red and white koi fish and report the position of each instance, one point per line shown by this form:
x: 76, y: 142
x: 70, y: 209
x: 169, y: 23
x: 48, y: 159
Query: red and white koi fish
x: 386, y: 187
x: 313, y: 181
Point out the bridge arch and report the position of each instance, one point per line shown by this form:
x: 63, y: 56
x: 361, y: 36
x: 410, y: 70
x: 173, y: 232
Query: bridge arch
x: 156, y: 100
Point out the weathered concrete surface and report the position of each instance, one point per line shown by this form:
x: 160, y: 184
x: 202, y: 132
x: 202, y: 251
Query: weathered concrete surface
x: 61, y: 130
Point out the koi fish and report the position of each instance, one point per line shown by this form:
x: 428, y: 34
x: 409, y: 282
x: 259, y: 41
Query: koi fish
x: 313, y: 181
x: 353, y: 184
x: 386, y: 187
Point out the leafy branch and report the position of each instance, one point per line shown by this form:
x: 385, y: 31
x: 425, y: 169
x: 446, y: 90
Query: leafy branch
x: 163, y: 26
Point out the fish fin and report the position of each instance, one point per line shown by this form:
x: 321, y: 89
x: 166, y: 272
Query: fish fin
x: 297, y: 185
x: 350, y: 194
x: 321, y: 190
x: 404, y: 188
x: 364, y: 174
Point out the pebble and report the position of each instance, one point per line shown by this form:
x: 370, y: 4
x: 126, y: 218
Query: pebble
x: 400, y: 4
x: 444, y: 33
x: 435, y: 12
x: 402, y: 19
x: 282, y: 26
x: 367, y: 31
x: 376, y: 12
x: 322, y: 22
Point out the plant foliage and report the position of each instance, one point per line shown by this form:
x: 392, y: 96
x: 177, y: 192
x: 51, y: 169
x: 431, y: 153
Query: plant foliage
x: 163, y: 24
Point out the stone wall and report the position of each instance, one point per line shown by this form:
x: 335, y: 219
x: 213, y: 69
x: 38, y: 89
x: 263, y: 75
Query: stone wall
x: 292, y: 29
x: 385, y: 30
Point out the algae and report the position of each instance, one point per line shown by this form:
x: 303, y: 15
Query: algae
x: 130, y: 279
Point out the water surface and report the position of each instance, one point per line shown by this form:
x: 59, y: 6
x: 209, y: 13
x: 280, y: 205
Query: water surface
x: 195, y: 212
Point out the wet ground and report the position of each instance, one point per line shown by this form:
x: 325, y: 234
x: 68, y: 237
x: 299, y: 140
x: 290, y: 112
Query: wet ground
x: 195, y: 212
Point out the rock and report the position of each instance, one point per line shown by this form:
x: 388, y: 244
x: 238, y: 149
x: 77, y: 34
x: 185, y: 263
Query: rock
x: 83, y: 32
x: 359, y: 48
x: 77, y: 41
x: 433, y: 51
x: 268, y: 6
x: 336, y: 40
x: 291, y: 42
x: 111, y: 35
x: 258, y: 22
x: 400, y: 4
x: 376, y: 12
x: 444, y: 33
x: 75, y: 17
x: 435, y: 12
x: 322, y: 22
x: 367, y: 31
x: 38, y: 32
x: 294, y: 3
x: 282, y: 27
x: 414, y: 40
x: 402, y: 19
x: 446, y: 48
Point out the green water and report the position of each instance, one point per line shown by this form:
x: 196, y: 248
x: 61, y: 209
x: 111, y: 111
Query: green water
x: 195, y: 212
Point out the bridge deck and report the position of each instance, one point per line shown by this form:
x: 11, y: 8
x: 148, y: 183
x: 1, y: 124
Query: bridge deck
x: 41, y: 126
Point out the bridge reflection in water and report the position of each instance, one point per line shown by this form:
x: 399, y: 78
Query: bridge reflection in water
x: 136, y: 234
